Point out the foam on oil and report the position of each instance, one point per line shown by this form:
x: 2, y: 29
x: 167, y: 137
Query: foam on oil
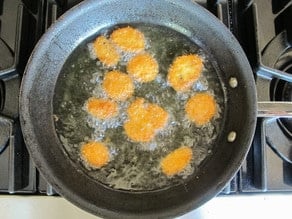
x: 135, y: 166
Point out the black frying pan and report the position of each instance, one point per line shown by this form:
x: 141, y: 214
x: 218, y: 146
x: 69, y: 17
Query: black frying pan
x: 36, y: 107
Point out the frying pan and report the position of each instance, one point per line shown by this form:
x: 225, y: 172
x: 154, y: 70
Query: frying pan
x: 36, y: 107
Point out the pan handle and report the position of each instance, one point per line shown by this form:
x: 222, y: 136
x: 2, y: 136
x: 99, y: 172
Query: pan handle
x: 270, y: 73
x: 275, y: 109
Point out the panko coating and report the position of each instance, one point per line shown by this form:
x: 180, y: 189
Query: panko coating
x: 139, y: 131
x: 145, y: 119
x: 128, y: 39
x: 102, y: 108
x: 143, y: 67
x: 184, y: 71
x: 176, y: 161
x: 201, y: 108
x: 96, y: 154
x: 105, y: 51
x: 118, y: 86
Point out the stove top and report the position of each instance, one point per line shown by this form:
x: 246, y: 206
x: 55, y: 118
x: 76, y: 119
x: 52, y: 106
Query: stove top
x: 262, y: 27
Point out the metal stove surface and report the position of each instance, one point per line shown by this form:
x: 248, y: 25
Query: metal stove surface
x: 261, y: 26
x: 266, y: 38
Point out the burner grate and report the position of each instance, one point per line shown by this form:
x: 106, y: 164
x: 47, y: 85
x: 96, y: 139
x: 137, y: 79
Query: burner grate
x: 268, y: 162
x: 261, y: 26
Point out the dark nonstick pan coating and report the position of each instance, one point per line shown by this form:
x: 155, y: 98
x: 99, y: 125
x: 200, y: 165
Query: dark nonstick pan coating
x: 36, y: 107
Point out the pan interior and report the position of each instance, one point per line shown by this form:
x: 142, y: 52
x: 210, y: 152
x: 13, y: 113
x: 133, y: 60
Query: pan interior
x: 135, y: 166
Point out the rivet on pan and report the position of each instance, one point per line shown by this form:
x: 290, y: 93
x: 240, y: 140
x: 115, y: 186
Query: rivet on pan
x: 231, y: 136
x: 233, y: 82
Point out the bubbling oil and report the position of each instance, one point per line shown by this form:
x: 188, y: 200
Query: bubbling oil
x: 136, y: 166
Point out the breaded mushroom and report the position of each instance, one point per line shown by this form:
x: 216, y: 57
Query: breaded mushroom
x: 176, y: 161
x: 118, y: 86
x: 143, y: 67
x: 139, y: 130
x: 201, y: 108
x: 145, y: 119
x: 128, y: 39
x: 105, y: 51
x: 102, y: 108
x: 184, y: 71
x: 96, y: 154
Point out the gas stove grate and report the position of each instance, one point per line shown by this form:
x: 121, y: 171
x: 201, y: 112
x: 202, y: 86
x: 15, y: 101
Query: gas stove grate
x: 259, y: 25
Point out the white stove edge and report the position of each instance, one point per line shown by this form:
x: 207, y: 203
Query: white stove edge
x: 275, y: 205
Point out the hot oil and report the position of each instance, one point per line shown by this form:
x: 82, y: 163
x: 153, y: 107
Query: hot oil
x: 135, y: 166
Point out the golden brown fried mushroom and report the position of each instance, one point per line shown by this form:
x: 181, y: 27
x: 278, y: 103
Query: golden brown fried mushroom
x: 176, y: 161
x: 105, y: 51
x: 128, y: 39
x: 102, y: 108
x: 118, y: 86
x: 96, y: 154
x: 143, y: 67
x: 145, y: 119
x: 201, y: 108
x: 184, y: 71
